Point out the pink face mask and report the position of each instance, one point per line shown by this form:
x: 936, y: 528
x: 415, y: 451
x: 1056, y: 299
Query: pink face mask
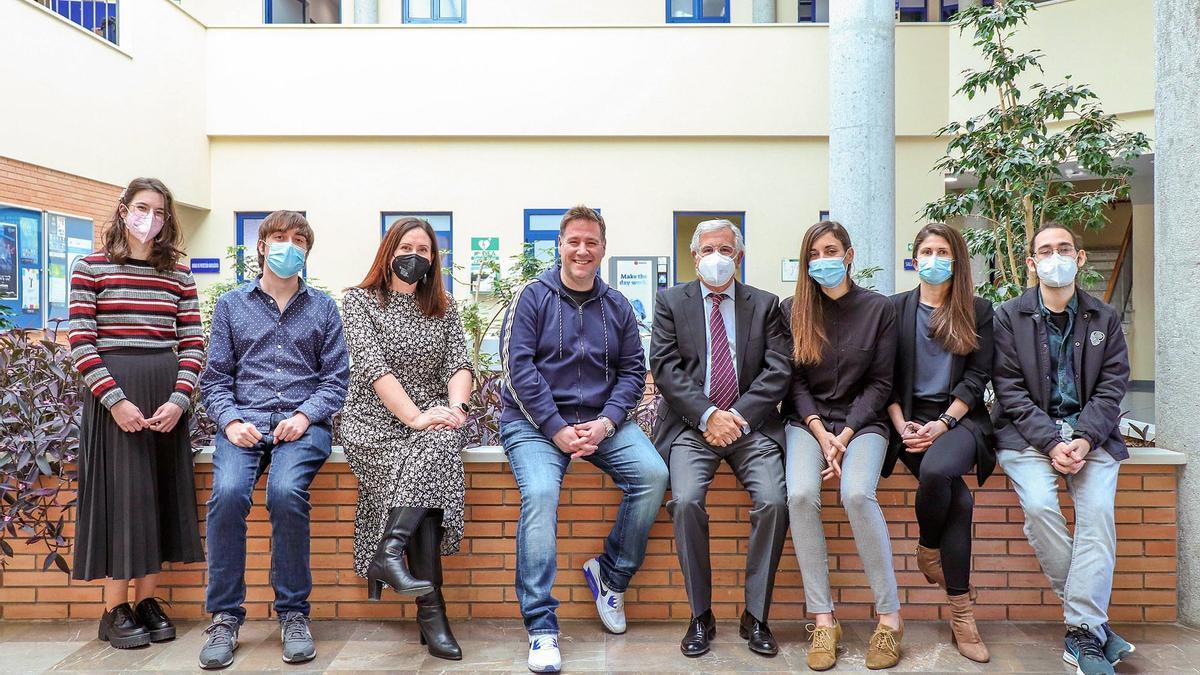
x: 143, y: 226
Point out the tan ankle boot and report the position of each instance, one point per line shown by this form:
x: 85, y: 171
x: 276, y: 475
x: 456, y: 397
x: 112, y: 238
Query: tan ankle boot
x: 965, y: 632
x: 822, y: 648
x: 883, y: 651
x: 929, y: 561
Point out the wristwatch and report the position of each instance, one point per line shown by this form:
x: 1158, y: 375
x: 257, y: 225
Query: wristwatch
x: 463, y: 407
x: 949, y: 420
x: 610, y: 429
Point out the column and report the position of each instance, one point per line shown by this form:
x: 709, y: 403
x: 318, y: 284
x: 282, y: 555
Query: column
x: 366, y: 11
x: 764, y: 11
x: 862, y: 131
x: 1177, y: 270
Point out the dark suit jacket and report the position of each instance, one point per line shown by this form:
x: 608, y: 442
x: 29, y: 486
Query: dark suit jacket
x: 679, y: 357
x: 969, y: 376
x: 1021, y: 375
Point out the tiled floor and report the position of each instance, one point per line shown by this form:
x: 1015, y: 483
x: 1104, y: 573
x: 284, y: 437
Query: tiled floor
x: 350, y: 646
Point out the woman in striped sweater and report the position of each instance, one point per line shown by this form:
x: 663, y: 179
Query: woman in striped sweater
x: 137, y: 341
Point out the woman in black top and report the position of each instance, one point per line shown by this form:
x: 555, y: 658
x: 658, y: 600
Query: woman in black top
x: 844, y: 346
x: 940, y: 423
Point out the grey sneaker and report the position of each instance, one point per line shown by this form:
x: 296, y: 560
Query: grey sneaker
x: 298, y: 645
x: 1083, y: 650
x: 222, y: 641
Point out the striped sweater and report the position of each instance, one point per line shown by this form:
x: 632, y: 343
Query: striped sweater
x: 133, y: 305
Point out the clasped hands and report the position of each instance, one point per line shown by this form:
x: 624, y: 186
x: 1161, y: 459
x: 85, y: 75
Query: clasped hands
x: 918, y: 437
x: 833, y: 447
x: 581, y: 440
x: 130, y: 419
x: 1067, y: 458
x: 724, y: 427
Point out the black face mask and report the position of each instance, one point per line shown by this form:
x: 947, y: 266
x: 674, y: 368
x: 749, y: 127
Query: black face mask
x: 410, y: 267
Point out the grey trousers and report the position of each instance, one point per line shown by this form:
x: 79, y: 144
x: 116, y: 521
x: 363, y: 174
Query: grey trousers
x: 1079, y: 567
x: 758, y: 464
x: 860, y: 476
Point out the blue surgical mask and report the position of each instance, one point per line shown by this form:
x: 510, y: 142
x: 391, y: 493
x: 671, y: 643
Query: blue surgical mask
x: 1057, y: 271
x: 829, y: 272
x: 285, y: 259
x: 935, y: 269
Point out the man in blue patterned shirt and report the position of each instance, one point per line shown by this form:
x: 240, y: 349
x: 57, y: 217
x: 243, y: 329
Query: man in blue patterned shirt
x: 277, y: 372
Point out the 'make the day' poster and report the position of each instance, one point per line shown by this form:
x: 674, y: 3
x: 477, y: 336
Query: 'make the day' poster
x: 8, y: 261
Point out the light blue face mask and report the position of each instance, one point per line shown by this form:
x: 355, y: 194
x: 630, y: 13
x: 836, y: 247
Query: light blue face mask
x: 829, y: 272
x: 285, y: 259
x: 935, y: 269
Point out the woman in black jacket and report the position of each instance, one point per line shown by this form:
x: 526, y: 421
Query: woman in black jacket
x: 940, y: 424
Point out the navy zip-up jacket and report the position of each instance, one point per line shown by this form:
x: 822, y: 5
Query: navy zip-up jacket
x: 566, y: 363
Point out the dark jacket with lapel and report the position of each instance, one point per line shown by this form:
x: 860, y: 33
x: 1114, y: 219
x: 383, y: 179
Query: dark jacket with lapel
x: 679, y: 356
x: 968, y: 377
x: 1021, y: 375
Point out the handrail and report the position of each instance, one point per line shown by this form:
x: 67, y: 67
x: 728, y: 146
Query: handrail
x: 1120, y: 262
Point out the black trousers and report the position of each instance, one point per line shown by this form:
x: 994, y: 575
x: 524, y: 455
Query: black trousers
x: 944, y: 502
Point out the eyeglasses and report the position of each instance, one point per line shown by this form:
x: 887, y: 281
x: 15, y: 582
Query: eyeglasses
x: 143, y: 209
x: 727, y: 251
x: 1065, y: 250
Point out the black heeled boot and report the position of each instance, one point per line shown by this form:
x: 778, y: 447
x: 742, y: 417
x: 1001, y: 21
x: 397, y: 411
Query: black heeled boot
x: 388, y: 568
x: 425, y: 556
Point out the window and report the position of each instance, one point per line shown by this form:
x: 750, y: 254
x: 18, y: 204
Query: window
x: 910, y: 11
x: 302, y: 11
x: 541, y: 230
x: 435, y: 11
x: 812, y: 11
x: 950, y: 8
x: 247, y: 236
x: 443, y: 226
x: 685, y: 227
x: 697, y: 11
x: 97, y: 16
x: 37, y: 251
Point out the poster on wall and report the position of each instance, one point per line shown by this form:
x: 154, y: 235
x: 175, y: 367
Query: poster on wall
x: 30, y: 239
x: 635, y: 279
x: 8, y: 261
x: 31, y: 290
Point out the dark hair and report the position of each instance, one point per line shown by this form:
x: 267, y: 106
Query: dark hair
x: 581, y: 212
x: 953, y: 324
x: 808, y: 317
x: 1054, y: 225
x: 284, y: 221
x: 431, y: 292
x: 165, y: 249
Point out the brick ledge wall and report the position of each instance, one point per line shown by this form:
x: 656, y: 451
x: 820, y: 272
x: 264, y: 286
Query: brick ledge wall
x: 480, y: 579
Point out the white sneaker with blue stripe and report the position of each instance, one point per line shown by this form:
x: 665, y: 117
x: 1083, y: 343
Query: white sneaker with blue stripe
x: 544, y: 656
x: 609, y: 603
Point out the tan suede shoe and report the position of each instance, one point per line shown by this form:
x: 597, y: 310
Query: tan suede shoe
x: 884, y: 649
x: 822, y: 648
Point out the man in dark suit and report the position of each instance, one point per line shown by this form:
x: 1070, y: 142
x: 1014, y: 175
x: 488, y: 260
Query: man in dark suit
x: 720, y: 358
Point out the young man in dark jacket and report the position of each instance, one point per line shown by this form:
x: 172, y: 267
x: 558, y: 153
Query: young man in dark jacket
x: 1061, y: 370
x: 573, y: 372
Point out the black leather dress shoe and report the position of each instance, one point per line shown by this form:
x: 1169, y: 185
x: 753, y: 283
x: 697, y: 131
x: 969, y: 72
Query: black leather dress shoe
x: 758, y: 635
x: 120, y: 628
x: 700, y: 632
x: 151, y: 615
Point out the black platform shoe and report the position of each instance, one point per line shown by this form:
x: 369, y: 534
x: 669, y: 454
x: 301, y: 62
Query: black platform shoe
x: 120, y: 628
x: 152, y: 616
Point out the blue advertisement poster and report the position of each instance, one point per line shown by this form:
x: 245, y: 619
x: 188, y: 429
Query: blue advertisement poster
x: 8, y: 261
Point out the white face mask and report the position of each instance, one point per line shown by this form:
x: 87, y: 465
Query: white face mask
x: 715, y: 269
x: 1057, y: 271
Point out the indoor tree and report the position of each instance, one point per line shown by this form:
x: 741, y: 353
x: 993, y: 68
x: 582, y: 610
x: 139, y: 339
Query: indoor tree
x: 1015, y: 151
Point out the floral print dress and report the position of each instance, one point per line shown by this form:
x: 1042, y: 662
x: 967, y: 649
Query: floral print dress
x: 396, y: 465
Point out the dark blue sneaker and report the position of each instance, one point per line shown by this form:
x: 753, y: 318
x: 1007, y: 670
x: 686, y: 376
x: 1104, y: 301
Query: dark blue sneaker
x: 1083, y: 650
x: 1116, y: 647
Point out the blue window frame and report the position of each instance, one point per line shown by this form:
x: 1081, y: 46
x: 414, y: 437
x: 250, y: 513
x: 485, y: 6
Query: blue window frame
x: 950, y: 8
x: 247, y: 234
x: 295, y: 11
x: 806, y: 11
x: 97, y: 16
x: 443, y: 226
x: 541, y: 230
x: 697, y: 11
x: 435, y: 11
x: 683, y: 225
x: 911, y: 11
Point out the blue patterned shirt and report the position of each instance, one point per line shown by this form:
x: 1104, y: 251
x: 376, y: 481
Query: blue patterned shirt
x: 262, y: 361
x: 1064, y: 392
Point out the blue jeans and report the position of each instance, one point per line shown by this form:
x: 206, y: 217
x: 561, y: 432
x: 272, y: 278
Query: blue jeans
x: 293, y: 464
x: 1079, y: 567
x: 538, y: 467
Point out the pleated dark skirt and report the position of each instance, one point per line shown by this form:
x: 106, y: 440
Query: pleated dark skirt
x: 137, y: 492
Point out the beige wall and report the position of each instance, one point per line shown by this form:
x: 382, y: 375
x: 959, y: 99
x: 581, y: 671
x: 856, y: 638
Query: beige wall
x: 77, y: 104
